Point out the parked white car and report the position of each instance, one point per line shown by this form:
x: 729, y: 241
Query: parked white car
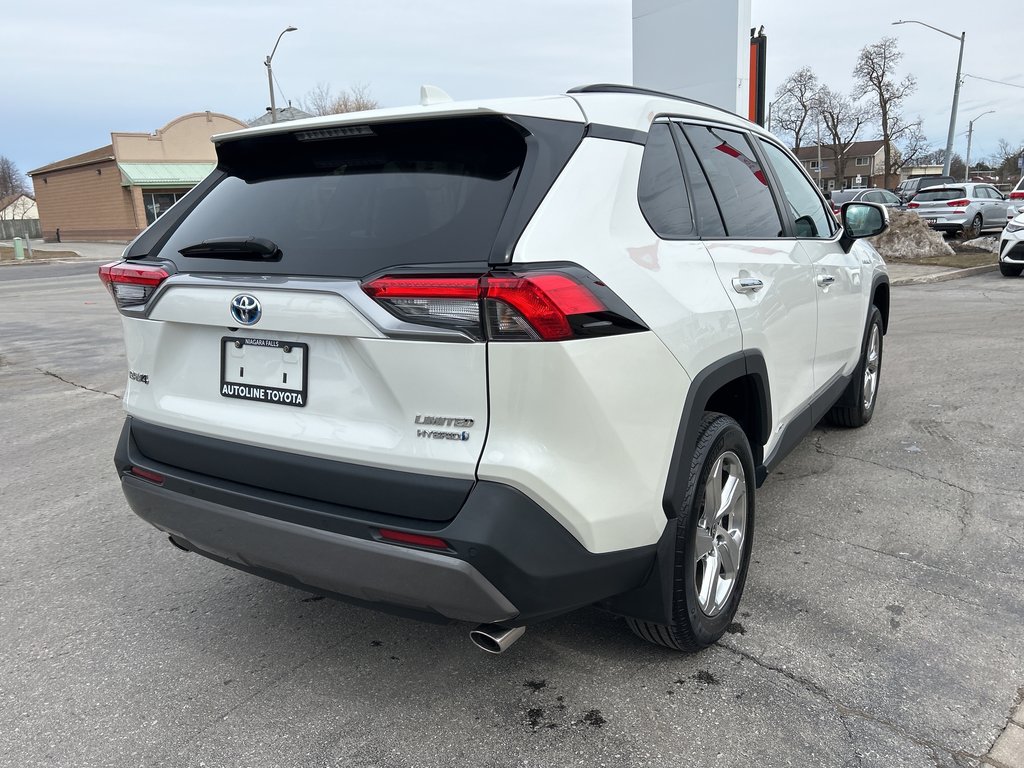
x: 495, y: 360
x: 1011, y: 248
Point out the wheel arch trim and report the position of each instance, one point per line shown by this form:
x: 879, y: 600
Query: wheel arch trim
x: 749, y: 365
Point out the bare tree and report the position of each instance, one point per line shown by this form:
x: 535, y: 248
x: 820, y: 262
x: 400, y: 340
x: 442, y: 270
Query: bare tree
x: 1004, y: 160
x: 793, y: 108
x: 842, y: 118
x: 910, y: 145
x: 321, y: 100
x: 11, y: 179
x: 875, y: 75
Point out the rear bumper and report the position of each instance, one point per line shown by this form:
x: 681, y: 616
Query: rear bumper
x: 508, y: 560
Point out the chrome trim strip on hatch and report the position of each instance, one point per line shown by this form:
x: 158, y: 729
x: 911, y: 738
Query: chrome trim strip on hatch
x: 349, y: 290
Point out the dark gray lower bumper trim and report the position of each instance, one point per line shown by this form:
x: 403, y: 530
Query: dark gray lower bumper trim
x: 360, y: 568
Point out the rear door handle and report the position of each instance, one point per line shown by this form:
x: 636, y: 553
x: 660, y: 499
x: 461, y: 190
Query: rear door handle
x: 747, y: 284
x: 825, y: 280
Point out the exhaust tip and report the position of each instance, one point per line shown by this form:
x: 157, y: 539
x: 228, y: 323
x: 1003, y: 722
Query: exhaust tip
x: 495, y: 639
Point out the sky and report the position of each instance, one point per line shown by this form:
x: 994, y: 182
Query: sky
x: 73, y: 74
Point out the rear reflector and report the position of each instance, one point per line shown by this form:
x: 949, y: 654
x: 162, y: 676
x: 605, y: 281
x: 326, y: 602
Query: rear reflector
x: 131, y: 284
x: 145, y: 474
x: 416, y: 539
x: 535, y: 306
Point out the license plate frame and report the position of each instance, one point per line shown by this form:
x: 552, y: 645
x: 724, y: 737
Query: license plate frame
x: 268, y: 370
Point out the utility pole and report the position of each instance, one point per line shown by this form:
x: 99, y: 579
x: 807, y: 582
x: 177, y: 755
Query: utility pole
x: 970, y: 134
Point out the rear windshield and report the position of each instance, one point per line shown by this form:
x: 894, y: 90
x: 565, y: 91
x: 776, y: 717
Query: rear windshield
x: 938, y: 195
x: 347, y: 202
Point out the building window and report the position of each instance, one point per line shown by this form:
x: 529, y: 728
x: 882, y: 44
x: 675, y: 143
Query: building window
x: 862, y: 161
x: 814, y: 165
x: 157, y: 203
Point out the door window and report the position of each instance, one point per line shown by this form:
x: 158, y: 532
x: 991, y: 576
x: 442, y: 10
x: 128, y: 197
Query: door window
x: 739, y: 183
x: 810, y: 217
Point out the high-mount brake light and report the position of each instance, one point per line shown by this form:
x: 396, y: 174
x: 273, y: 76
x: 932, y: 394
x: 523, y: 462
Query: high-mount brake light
x: 514, y: 307
x: 131, y: 284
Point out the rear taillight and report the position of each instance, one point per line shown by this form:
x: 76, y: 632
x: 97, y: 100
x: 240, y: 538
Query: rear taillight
x: 131, y: 284
x: 958, y: 203
x: 913, y: 205
x: 1017, y: 195
x: 531, y: 306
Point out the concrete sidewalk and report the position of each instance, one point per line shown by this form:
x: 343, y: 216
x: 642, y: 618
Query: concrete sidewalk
x: 918, y: 274
x: 85, y: 251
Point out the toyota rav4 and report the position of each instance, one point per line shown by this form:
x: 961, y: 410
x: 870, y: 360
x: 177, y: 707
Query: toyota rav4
x: 494, y: 361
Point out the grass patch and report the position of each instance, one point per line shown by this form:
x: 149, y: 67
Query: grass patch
x: 7, y: 254
x: 960, y: 260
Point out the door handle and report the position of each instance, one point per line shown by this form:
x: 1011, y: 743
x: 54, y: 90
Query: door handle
x: 747, y: 284
x: 825, y: 280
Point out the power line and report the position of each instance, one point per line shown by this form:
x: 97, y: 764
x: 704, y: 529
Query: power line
x: 997, y: 82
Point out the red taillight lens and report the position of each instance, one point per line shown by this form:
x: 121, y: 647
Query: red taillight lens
x: 542, y: 302
x: 1017, y: 195
x: 958, y: 203
x: 131, y: 284
x: 145, y: 474
x: 416, y: 539
x: 511, y: 307
x: 913, y: 205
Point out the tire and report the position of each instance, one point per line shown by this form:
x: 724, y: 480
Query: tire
x: 1011, y: 270
x: 857, y: 404
x: 973, y: 231
x: 712, y: 554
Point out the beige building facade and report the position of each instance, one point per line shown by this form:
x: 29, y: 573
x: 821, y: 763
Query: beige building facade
x: 116, y: 191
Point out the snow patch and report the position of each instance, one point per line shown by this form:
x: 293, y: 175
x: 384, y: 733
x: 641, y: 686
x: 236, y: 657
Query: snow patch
x: 909, y: 239
x: 990, y: 244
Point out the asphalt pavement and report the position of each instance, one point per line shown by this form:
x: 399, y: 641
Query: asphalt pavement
x: 881, y: 623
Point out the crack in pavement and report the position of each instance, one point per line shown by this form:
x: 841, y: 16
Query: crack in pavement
x: 843, y: 710
x: 821, y: 449
x: 80, y: 386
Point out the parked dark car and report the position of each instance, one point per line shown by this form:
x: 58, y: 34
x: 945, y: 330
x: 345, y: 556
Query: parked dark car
x: 910, y: 187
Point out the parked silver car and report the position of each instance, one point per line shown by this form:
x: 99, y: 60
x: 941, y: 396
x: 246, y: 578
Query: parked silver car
x: 968, y: 208
x: 883, y: 196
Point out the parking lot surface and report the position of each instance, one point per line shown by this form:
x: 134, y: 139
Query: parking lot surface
x: 881, y: 623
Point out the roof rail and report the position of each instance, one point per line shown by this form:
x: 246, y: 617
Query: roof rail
x: 616, y: 88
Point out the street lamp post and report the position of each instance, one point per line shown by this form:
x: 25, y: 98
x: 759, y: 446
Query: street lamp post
x: 270, y: 74
x: 956, y: 88
x: 970, y: 135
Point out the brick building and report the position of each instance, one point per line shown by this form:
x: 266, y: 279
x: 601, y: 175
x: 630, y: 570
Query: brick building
x: 116, y: 191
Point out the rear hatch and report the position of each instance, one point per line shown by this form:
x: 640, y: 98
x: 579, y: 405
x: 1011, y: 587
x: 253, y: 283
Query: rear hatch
x: 936, y: 204
x: 263, y: 334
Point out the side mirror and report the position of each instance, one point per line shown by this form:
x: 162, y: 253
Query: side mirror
x: 863, y: 220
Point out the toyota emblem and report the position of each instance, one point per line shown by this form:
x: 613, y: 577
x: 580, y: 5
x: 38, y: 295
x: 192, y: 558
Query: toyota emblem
x: 246, y: 309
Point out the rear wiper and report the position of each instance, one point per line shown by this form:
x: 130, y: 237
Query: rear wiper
x: 248, y: 248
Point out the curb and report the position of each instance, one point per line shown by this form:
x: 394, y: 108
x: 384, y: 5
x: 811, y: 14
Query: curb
x: 941, y: 277
x: 38, y: 260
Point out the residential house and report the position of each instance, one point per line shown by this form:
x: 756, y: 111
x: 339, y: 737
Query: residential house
x: 865, y: 165
x: 19, y: 216
x: 114, y: 192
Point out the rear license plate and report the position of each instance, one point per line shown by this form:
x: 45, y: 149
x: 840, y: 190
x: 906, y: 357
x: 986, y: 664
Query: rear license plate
x: 264, y: 370
x: 930, y: 221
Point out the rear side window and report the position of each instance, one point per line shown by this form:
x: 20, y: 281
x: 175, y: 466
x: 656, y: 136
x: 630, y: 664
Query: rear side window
x: 938, y: 195
x: 709, y: 220
x: 738, y: 181
x: 350, y: 201
x: 661, y: 190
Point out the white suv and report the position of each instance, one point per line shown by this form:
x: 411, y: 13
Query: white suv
x: 494, y: 361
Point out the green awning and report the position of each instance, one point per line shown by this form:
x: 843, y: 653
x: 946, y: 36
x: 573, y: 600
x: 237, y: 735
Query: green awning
x: 163, y: 174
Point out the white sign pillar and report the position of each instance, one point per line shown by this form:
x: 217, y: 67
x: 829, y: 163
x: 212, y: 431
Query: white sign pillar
x: 699, y: 49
